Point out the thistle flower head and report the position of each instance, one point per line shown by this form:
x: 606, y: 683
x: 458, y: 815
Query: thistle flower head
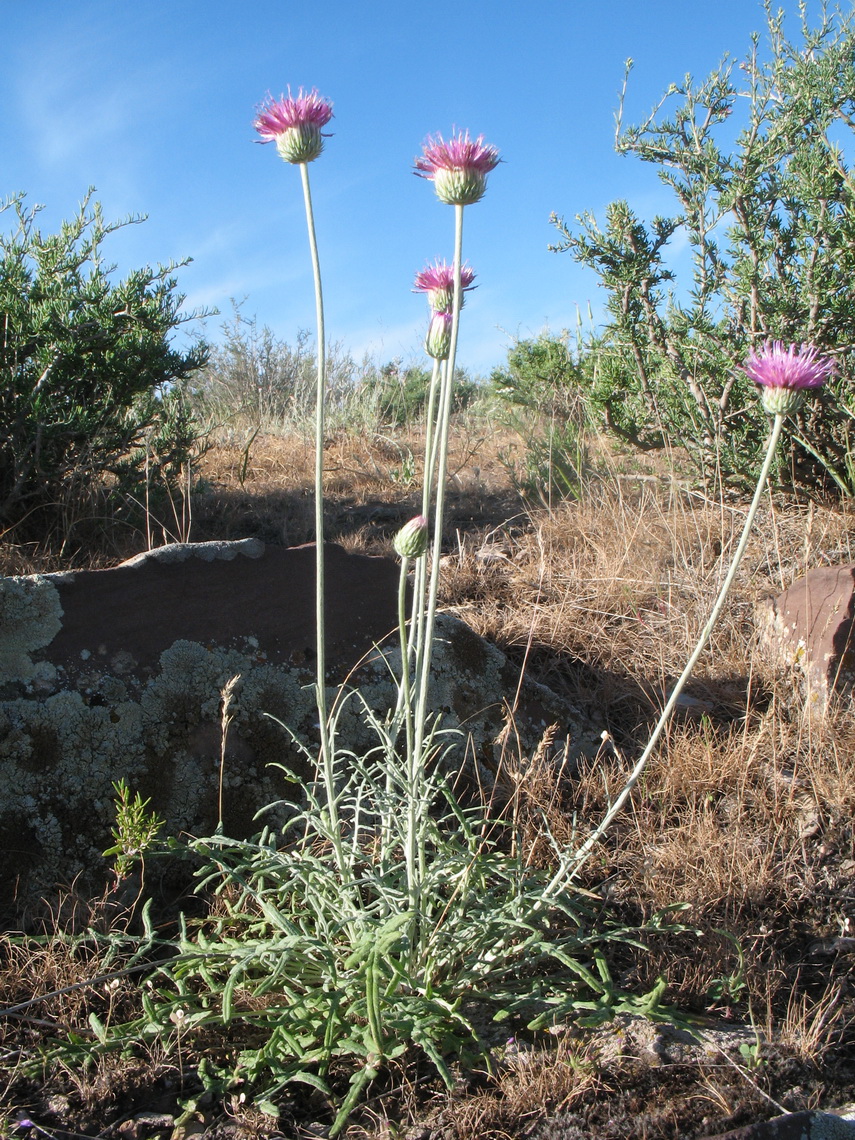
x: 438, y: 339
x: 294, y: 124
x: 437, y: 281
x: 785, y: 374
x: 458, y: 168
x: 411, y: 541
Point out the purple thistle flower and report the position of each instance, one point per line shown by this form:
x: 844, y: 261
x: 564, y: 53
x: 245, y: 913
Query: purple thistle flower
x: 785, y: 374
x: 437, y: 281
x: 294, y: 124
x: 411, y: 541
x: 438, y: 339
x: 458, y: 168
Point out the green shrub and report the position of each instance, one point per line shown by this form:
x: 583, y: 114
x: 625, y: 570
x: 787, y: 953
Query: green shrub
x: 253, y: 377
x: 539, y: 395
x: 769, y: 222
x: 88, y: 399
x: 541, y: 375
x: 401, y: 393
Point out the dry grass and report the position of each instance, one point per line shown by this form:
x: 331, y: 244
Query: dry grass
x: 50, y: 984
x: 745, y: 813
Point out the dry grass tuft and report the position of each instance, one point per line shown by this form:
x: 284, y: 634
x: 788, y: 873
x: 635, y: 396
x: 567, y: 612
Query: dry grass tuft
x: 531, y: 1084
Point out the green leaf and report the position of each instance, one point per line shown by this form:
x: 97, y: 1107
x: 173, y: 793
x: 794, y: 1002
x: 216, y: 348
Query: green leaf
x: 267, y: 1107
x: 98, y: 1028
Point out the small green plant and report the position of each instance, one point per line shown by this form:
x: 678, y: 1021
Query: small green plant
x: 553, y: 464
x: 135, y: 830
x: 729, y: 987
x: 326, y: 974
x: 752, y: 1053
x: 405, y: 475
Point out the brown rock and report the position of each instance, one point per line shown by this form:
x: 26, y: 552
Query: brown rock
x: 225, y: 593
x: 810, y: 627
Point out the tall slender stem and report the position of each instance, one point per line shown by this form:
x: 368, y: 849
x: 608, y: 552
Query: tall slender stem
x: 423, y: 664
x: 430, y: 437
x: 571, y: 866
x: 326, y: 750
x: 410, y: 853
x: 420, y: 583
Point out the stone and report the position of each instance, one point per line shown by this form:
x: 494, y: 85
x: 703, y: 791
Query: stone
x: 661, y: 1043
x: 236, y: 594
x: 808, y: 1125
x: 120, y: 674
x: 809, y: 627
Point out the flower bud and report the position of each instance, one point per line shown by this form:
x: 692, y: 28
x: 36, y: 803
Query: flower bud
x: 460, y: 187
x: 438, y: 339
x: 411, y: 541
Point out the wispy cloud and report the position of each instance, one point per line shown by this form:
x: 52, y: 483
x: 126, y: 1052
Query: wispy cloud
x: 79, y: 96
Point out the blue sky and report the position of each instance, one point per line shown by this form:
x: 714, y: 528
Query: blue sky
x: 152, y: 103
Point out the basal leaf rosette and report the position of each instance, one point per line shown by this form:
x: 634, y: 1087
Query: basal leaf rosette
x: 785, y: 374
x: 294, y: 124
x: 458, y: 167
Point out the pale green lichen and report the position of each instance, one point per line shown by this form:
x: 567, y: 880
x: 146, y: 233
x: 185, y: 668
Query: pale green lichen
x: 30, y: 618
x: 58, y: 760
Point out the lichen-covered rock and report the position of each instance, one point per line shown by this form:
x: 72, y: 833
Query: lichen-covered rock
x: 30, y: 617
x: 58, y: 759
x: 806, y: 1125
x: 120, y: 674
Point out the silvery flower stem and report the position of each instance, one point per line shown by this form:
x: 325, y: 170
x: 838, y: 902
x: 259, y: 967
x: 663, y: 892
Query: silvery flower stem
x: 326, y: 751
x: 414, y: 856
x: 411, y: 852
x: 417, y: 758
x: 420, y: 584
x: 571, y: 866
x: 443, y: 419
x: 431, y: 436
